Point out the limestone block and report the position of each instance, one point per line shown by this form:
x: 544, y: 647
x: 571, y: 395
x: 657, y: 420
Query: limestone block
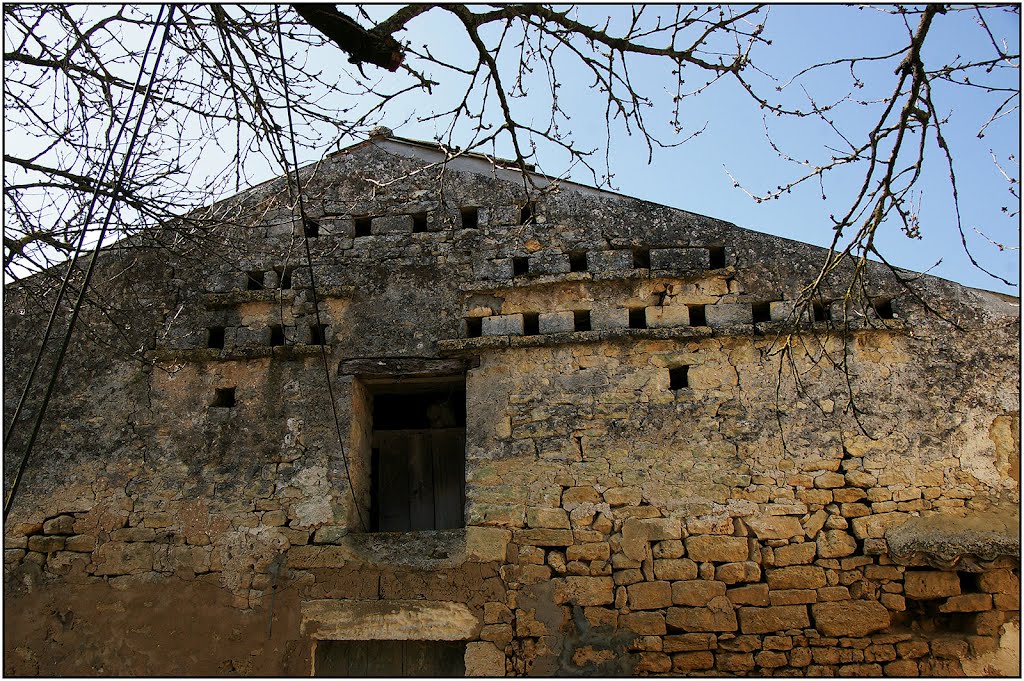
x: 967, y: 603
x: 544, y: 537
x: 752, y: 594
x: 874, y: 526
x: 588, y: 551
x: 391, y: 224
x: 673, y: 569
x: 668, y: 548
x: 677, y: 643
x: 495, y: 269
x: 80, y: 542
x: 796, y: 577
x: 834, y: 593
x: 667, y: 316
x: 484, y: 659
x: 719, y: 615
x: 44, y: 544
x: 485, y: 544
x: 774, y: 526
x: 696, y: 592
x: 575, y: 496
x: 62, y: 524
x: 585, y: 591
x: 770, y: 659
x: 733, y: 573
x: 555, y: 322
x: 608, y: 262
x: 710, y: 524
x: 644, y: 623
x: 717, y: 549
x: 502, y: 325
x: 649, y: 595
x: 394, y: 620
x: 607, y: 319
x: 769, y: 620
x: 680, y: 260
x: 829, y: 480
x: 835, y: 544
x: 923, y: 585
x: 793, y: 596
x: 691, y: 662
x: 795, y: 554
x: 850, y: 618
x: 652, y: 663
x: 549, y: 263
x: 121, y: 558
x: 554, y: 518
x: 627, y: 576
x: 999, y: 582
x: 724, y: 314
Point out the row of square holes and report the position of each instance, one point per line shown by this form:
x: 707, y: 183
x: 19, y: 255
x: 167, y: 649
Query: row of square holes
x: 761, y: 312
x: 470, y: 216
x: 317, y: 334
x: 641, y: 260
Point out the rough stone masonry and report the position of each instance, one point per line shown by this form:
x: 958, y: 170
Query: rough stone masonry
x: 571, y: 433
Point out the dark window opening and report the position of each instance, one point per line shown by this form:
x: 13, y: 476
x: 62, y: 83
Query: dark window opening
x: 822, y: 312
x: 254, y: 281
x: 223, y: 397
x: 526, y: 213
x: 474, y: 327
x: 276, y: 335
x: 577, y: 261
x: 215, y: 337
x: 697, y: 315
x: 284, y: 275
x: 418, y: 455
x: 678, y: 378
x: 310, y: 227
x: 363, y: 225
x: 762, y: 312
x: 581, y: 320
x: 641, y: 258
x: 520, y: 266
x: 531, y: 323
x: 318, y: 334
x: 424, y: 659
x: 883, y: 308
x: 637, y: 318
x: 717, y: 257
x: 470, y: 217
x: 419, y: 222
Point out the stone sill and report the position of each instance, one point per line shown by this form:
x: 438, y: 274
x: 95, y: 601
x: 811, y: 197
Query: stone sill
x: 526, y: 281
x: 460, y: 345
x: 285, y: 352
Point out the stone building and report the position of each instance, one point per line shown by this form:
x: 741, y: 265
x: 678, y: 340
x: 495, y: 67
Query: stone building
x: 503, y: 428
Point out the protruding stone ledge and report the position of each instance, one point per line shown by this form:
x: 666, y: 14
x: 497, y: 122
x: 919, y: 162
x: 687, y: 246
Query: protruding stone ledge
x: 397, y: 620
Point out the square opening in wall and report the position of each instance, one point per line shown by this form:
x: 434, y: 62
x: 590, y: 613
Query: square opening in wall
x: 641, y: 258
x: 762, y: 312
x: 527, y: 212
x: 822, y: 311
x: 215, y: 337
x: 254, y: 280
x: 717, y: 257
x: 697, y: 315
x: 284, y: 276
x: 416, y: 450
x: 223, y: 397
x: 310, y: 227
x: 531, y: 323
x: 883, y: 308
x: 474, y: 327
x: 318, y: 334
x: 581, y: 320
x: 577, y: 261
x: 678, y: 377
x: 637, y: 318
x: 419, y: 222
x: 470, y: 217
x: 363, y: 225
x: 276, y: 335
x: 520, y: 266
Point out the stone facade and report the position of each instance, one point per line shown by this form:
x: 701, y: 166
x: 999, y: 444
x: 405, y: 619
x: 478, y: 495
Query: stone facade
x: 655, y: 481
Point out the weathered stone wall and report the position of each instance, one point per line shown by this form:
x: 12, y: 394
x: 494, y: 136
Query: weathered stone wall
x: 848, y: 507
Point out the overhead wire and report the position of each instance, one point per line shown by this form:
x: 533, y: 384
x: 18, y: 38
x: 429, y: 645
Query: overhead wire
x: 309, y: 261
x: 8, y: 502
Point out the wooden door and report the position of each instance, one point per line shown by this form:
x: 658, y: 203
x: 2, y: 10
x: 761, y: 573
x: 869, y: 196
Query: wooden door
x: 390, y: 658
x: 420, y: 479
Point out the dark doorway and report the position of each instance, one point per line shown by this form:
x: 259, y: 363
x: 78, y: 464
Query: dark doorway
x: 390, y: 658
x: 418, y: 455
